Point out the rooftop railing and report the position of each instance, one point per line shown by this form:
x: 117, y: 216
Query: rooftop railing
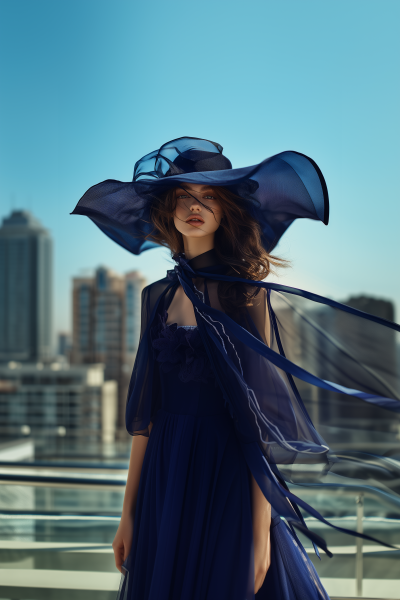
x: 56, y: 531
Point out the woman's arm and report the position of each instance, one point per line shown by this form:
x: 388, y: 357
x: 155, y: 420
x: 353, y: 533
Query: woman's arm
x: 123, y: 538
x: 261, y: 510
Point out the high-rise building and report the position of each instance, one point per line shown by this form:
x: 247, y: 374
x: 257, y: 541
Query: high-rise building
x: 374, y: 347
x: 353, y: 352
x: 26, y: 254
x: 106, y: 325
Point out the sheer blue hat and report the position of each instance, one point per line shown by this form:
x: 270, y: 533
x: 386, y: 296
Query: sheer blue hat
x: 277, y: 191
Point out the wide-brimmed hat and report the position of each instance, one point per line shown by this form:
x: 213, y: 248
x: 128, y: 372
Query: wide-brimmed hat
x: 277, y: 191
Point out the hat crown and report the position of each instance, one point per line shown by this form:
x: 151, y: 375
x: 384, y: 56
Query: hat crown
x: 183, y: 155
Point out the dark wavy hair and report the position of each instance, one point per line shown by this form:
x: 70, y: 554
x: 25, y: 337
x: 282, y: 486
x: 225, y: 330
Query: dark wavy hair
x: 237, y: 245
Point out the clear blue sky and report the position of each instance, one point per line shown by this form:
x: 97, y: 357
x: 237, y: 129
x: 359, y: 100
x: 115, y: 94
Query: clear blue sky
x: 90, y: 86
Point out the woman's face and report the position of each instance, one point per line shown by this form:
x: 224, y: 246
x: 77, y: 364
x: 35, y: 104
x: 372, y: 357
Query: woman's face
x: 197, y: 211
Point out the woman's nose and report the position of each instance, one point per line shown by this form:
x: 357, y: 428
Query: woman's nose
x: 195, y: 207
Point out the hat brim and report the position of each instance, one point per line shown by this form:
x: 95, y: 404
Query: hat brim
x: 282, y: 188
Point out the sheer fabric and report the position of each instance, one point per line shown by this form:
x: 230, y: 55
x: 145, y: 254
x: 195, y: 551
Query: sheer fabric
x: 288, y: 341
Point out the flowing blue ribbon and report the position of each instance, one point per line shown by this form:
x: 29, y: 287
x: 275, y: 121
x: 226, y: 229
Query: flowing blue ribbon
x: 255, y: 458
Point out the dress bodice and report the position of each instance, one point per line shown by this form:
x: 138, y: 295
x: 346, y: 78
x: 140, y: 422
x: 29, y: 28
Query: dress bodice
x: 187, y: 379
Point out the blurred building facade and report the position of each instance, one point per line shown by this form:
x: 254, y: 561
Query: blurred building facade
x: 26, y: 256
x: 353, y: 352
x: 64, y: 344
x: 106, y: 325
x: 46, y: 401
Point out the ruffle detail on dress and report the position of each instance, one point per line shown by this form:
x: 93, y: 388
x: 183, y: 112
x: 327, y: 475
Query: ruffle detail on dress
x: 180, y: 347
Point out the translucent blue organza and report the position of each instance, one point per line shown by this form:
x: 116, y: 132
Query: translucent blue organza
x: 291, y: 355
x: 277, y: 191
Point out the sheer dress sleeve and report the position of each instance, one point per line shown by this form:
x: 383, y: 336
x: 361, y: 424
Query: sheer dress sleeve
x: 144, y: 394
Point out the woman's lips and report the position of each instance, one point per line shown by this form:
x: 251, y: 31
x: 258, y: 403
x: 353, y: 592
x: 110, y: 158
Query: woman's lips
x: 195, y: 221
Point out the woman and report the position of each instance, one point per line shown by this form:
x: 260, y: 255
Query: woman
x: 212, y: 405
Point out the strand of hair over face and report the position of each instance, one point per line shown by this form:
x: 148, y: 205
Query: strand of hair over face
x: 237, y: 244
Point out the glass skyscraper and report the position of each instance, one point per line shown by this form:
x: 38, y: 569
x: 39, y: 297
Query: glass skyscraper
x: 26, y: 256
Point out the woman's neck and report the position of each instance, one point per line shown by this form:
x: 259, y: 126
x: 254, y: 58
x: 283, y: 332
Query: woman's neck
x: 195, y: 246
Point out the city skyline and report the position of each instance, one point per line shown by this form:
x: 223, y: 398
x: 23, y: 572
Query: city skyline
x: 32, y: 243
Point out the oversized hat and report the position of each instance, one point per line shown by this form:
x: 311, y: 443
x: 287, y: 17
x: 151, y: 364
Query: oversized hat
x: 277, y: 191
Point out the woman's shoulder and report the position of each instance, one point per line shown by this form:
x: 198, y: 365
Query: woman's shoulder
x: 150, y: 296
x: 156, y: 284
x: 153, y: 290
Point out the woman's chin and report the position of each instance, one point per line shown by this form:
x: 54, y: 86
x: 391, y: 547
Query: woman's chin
x: 195, y: 232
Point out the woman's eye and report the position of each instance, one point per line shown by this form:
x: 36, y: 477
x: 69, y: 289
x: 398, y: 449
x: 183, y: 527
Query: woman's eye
x: 209, y: 197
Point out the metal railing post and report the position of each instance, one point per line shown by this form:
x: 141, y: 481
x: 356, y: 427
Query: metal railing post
x: 359, y: 545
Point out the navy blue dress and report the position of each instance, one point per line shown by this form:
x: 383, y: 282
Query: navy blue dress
x: 193, y: 523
